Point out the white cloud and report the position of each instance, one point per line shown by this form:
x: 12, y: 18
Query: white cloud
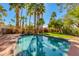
x: 45, y: 26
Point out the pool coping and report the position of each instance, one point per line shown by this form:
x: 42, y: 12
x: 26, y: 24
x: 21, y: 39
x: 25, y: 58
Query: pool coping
x: 46, y: 36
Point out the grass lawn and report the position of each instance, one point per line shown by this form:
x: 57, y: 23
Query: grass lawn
x: 59, y: 35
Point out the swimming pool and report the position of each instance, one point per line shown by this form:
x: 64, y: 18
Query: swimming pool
x: 37, y: 45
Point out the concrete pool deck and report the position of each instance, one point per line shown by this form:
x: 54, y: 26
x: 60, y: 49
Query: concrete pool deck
x: 74, y: 48
x: 8, y: 43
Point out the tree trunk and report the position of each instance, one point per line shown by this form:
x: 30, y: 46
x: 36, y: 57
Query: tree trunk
x: 26, y: 25
x: 42, y: 29
x: 41, y: 16
x: 35, y: 22
x: 29, y: 22
x: 21, y: 20
x: 17, y: 16
x: 22, y: 25
x: 38, y: 17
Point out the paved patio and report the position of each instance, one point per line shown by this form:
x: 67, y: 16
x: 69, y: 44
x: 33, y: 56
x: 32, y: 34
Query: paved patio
x: 7, y: 44
x: 74, y: 49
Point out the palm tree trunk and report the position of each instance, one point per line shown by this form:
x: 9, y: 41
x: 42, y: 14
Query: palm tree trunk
x: 25, y: 24
x: 42, y: 29
x: 26, y: 29
x: 41, y: 16
x: 17, y: 16
x: 29, y: 22
x: 35, y: 22
x: 22, y: 25
x: 21, y: 20
x: 42, y: 25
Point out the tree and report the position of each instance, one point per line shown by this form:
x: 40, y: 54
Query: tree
x: 23, y: 23
x: 53, y: 15
x: 72, y: 10
x: 22, y: 6
x: 40, y: 11
x: 72, y: 17
x: 12, y: 20
x: 37, y: 11
x: 40, y: 23
x: 56, y: 24
x: 51, y: 24
x: 29, y: 12
x: 52, y: 21
x: 59, y: 24
x: 75, y: 14
x: 52, y: 18
x: 68, y: 24
x: 16, y: 7
x: 2, y: 12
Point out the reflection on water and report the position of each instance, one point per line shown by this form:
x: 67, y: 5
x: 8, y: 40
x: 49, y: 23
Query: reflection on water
x: 35, y: 45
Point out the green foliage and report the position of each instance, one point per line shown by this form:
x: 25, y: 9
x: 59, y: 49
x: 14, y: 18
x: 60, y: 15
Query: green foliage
x: 66, y: 25
x: 69, y: 24
x: 53, y: 15
x: 12, y: 20
x: 75, y: 31
x: 56, y: 24
x: 74, y: 12
x: 0, y: 16
x: 68, y: 21
x: 52, y: 23
x: 3, y: 12
x: 59, y: 23
x: 40, y: 21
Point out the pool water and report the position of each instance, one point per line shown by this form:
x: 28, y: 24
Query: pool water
x: 36, y: 45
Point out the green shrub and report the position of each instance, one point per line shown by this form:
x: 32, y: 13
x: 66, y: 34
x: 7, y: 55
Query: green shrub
x: 75, y: 31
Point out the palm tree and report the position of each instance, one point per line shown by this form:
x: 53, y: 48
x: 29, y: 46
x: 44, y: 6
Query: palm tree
x: 52, y: 21
x: 51, y: 24
x: 53, y: 15
x: 27, y: 7
x: 25, y: 22
x: 29, y: 13
x: 40, y: 23
x: 23, y: 18
x: 16, y: 7
x: 34, y: 17
x: 2, y: 12
x: 31, y: 8
x: 38, y: 10
x: 12, y: 20
x: 42, y: 10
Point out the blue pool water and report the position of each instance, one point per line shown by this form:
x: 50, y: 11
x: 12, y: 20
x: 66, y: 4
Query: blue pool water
x: 36, y: 45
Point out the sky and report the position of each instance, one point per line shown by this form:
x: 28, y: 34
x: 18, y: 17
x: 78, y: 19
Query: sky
x: 49, y: 8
